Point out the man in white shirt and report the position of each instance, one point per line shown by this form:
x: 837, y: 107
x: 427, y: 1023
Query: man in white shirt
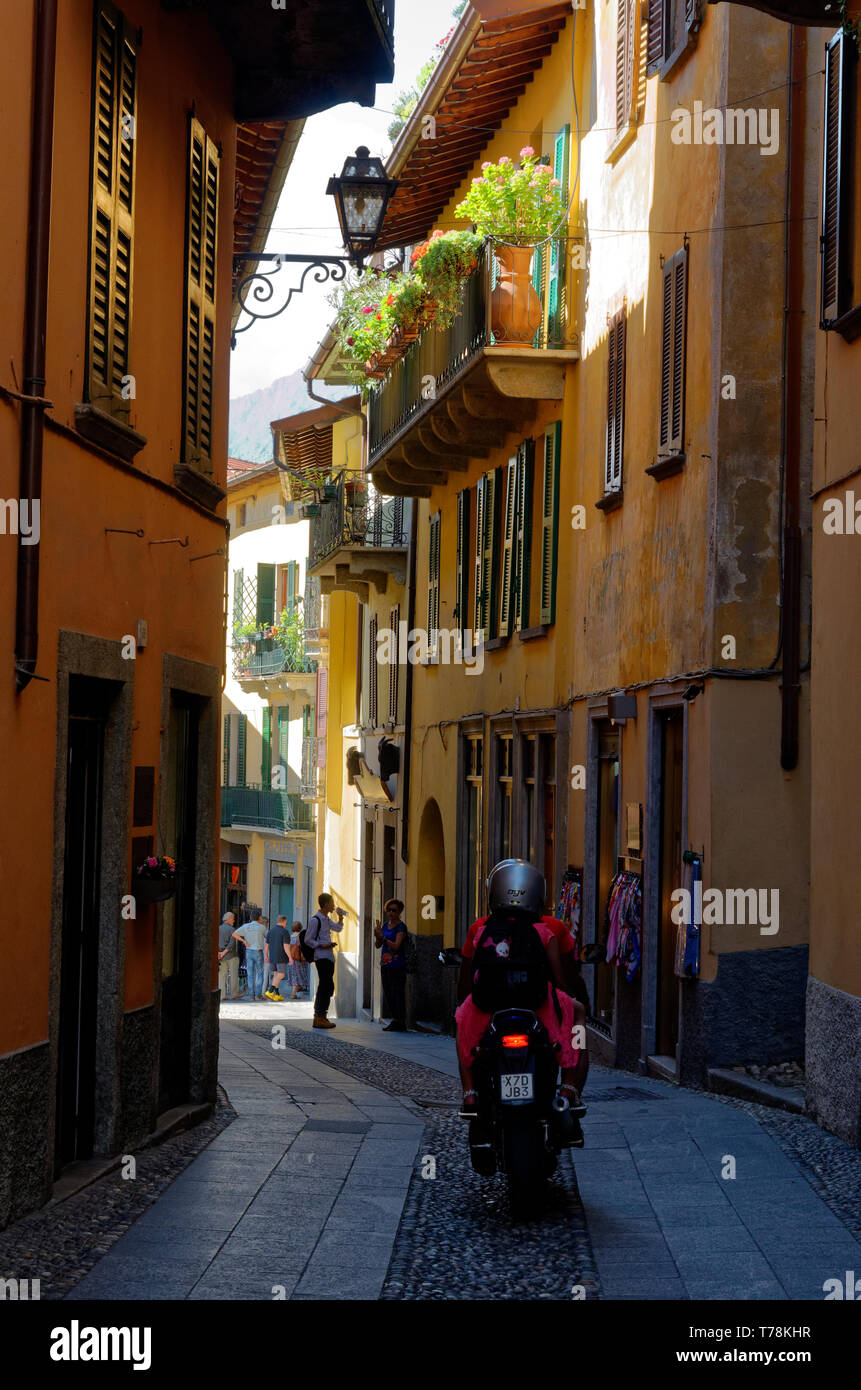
x: 253, y: 934
x: 319, y: 935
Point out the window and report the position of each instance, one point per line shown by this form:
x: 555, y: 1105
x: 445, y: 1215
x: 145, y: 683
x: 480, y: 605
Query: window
x: 486, y: 552
x: 288, y: 586
x: 461, y: 602
x: 504, y: 784
x: 372, y: 672
x: 674, y: 294
x: 200, y: 280
x: 615, y: 404
x: 474, y: 770
x: 626, y: 48
x: 238, y: 584
x: 235, y: 739
x: 241, y: 513
x: 523, y: 533
x: 266, y: 756
x: 672, y: 30
x: 112, y: 213
x: 839, y: 157
x: 530, y: 783
x: 280, y: 780
x: 550, y: 521
x: 394, y: 668
x: 433, y: 586
x: 509, y: 514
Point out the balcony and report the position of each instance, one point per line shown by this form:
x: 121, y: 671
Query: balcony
x: 483, y: 391
x: 359, y: 539
x: 261, y: 808
x: 263, y: 659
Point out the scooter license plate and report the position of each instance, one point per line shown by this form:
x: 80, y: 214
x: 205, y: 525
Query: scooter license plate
x: 516, y: 1086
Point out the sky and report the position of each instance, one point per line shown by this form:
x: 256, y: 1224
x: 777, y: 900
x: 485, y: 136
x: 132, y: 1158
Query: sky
x: 306, y: 220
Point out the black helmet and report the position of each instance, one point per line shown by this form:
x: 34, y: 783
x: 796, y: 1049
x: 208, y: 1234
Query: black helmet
x: 515, y: 885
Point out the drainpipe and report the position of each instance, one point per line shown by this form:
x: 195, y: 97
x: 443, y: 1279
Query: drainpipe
x: 35, y: 323
x: 790, y: 597
x: 408, y: 694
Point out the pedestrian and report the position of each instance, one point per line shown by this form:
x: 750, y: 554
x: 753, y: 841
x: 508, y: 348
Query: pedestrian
x: 390, y: 940
x: 319, y: 937
x: 228, y: 958
x: 253, y: 934
x: 298, y: 971
x: 275, y: 948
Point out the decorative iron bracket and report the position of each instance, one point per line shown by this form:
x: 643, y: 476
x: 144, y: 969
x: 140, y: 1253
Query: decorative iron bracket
x: 258, y: 287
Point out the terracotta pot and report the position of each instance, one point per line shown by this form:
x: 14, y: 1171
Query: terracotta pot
x: 515, y: 308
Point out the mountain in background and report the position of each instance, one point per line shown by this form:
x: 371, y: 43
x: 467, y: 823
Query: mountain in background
x: 249, y: 435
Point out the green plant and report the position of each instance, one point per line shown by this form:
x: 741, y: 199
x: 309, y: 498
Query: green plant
x: 369, y: 311
x: 442, y: 265
x: 519, y: 203
x: 247, y: 631
x: 289, y: 633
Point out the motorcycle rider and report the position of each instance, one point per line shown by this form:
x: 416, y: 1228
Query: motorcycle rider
x: 515, y: 892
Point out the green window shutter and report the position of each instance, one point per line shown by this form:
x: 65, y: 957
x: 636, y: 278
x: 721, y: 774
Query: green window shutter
x: 266, y: 760
x: 373, y: 672
x: 200, y: 280
x: 461, y: 611
x: 841, y: 60
x: 292, y: 585
x: 225, y: 778
x: 238, y: 583
x: 507, y: 573
x: 523, y: 547
x: 433, y: 583
x: 550, y: 521
x: 490, y: 555
x: 674, y: 294
x: 112, y: 214
x: 615, y: 403
x: 556, y: 297
x: 283, y: 734
x: 265, y: 614
x: 241, y: 740
x: 479, y: 601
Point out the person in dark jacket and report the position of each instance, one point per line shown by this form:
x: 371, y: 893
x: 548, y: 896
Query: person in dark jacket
x: 228, y: 959
x: 390, y: 940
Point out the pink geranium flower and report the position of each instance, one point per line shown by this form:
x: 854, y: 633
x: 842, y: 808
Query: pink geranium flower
x: 368, y: 310
x: 505, y: 159
x: 527, y: 152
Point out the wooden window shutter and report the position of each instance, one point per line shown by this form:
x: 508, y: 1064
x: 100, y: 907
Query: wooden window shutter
x: 394, y: 668
x: 241, y: 741
x: 462, y: 596
x: 615, y: 404
x: 433, y: 584
x: 265, y: 595
x: 479, y: 604
x: 523, y: 548
x: 656, y: 39
x: 506, y: 592
x: 841, y: 59
x: 238, y: 583
x: 674, y: 294
x: 225, y: 778
x: 550, y: 521
x: 266, y: 761
x: 372, y: 672
x: 490, y: 552
x: 292, y: 584
x: 556, y: 296
x: 200, y: 281
x: 112, y: 214
x: 625, y: 48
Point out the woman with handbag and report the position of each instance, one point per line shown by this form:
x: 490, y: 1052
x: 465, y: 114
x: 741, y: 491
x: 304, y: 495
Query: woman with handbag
x: 298, y: 970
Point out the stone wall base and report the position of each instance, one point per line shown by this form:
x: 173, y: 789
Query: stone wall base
x: 832, y: 1060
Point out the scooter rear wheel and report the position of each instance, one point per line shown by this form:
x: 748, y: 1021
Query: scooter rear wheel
x: 526, y: 1171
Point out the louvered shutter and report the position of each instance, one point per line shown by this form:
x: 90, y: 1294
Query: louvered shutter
x: 490, y: 553
x: 556, y: 295
x: 625, y: 45
x: 265, y: 595
x: 292, y: 578
x: 506, y: 592
x: 225, y: 778
x: 266, y: 761
x: 201, y: 251
x: 433, y: 583
x: 479, y: 604
x: 112, y: 226
x: 550, y: 521
x: 238, y: 582
x: 241, y: 741
x: 615, y: 404
x: 372, y: 673
x: 461, y: 598
x: 394, y: 669
x: 656, y: 40
x: 836, y: 291
x: 523, y: 549
x: 673, y: 353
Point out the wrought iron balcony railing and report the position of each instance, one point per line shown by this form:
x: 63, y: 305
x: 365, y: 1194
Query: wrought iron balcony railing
x: 265, y: 809
x: 357, y: 516
x: 265, y: 657
x: 441, y: 354
x: 384, y: 11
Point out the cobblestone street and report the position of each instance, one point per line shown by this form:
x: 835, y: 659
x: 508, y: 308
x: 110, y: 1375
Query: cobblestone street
x: 321, y: 1188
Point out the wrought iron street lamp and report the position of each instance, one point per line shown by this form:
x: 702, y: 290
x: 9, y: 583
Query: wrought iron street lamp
x: 361, y: 193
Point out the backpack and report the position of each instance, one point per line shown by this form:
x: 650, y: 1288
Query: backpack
x: 411, y: 955
x: 511, y: 966
x: 308, y: 952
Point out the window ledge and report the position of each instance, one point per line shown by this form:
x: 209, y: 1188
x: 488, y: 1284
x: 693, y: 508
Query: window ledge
x: 624, y: 138
x: 848, y: 325
x: 529, y: 634
x: 108, y: 432
x: 666, y: 467
x: 495, y: 644
x: 198, y: 486
x: 611, y: 500
x: 678, y: 55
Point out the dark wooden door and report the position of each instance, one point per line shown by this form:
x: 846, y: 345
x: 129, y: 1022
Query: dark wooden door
x: 672, y: 787
x: 178, y: 912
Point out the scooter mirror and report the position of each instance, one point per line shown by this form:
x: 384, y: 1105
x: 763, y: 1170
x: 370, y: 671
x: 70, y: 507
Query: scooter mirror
x: 450, y: 956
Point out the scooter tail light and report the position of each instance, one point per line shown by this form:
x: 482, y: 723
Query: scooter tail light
x: 515, y: 1040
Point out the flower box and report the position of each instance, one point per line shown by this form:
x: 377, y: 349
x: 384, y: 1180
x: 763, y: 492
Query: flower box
x: 153, y: 890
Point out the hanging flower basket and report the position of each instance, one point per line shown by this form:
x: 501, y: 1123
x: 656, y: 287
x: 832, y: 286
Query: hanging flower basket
x: 330, y: 492
x: 311, y: 509
x: 155, y: 880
